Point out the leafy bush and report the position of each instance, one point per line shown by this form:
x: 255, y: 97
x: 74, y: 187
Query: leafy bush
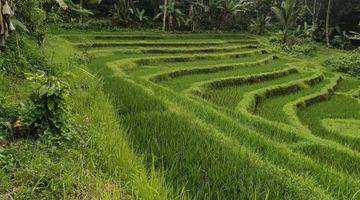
x: 260, y: 24
x: 305, y: 49
x: 349, y: 63
x: 341, y: 42
x: 296, y: 46
x: 48, y: 112
x: 8, y: 118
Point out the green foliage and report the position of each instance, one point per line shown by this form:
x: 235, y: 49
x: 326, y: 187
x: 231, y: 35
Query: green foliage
x: 341, y: 41
x: 48, y: 111
x: 88, y: 25
x: 20, y: 25
x: 139, y: 16
x: 122, y: 11
x: 22, y: 55
x: 8, y: 117
x: 260, y: 24
x: 307, y: 49
x: 349, y: 63
x: 174, y: 15
x: 287, y: 15
x: 296, y: 46
x: 31, y: 14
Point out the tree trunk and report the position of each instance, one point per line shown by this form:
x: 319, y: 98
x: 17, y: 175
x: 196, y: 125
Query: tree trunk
x: 314, y: 20
x: 192, y: 17
x: 314, y: 12
x: 328, y: 12
x: 81, y: 4
x: 222, y: 21
x: 165, y: 15
x: 285, y: 39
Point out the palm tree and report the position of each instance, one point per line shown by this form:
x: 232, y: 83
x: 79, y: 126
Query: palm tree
x: 287, y: 15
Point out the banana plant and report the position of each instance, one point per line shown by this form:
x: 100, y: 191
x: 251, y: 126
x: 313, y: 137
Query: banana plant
x: 122, y: 11
x: 62, y: 4
x: 260, y: 24
x: 139, y: 15
x: 69, y: 4
x: 19, y: 25
x: 172, y: 14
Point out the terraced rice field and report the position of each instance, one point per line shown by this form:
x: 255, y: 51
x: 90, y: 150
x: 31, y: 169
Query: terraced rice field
x: 222, y: 117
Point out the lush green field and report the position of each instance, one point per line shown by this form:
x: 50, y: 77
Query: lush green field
x: 223, y: 116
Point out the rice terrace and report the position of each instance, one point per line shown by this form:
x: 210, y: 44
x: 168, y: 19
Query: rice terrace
x: 150, y: 114
x: 228, y: 119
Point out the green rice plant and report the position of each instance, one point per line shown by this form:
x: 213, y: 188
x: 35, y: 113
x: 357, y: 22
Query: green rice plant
x: 347, y: 85
x: 204, y: 145
x: 221, y: 61
x: 266, y: 147
x: 187, y: 58
x: 272, y: 108
x: 163, y: 43
x: 314, y: 119
x: 189, y: 82
x: 182, y: 150
x: 252, y: 99
x: 346, y: 127
x: 291, y: 108
x: 230, y: 82
x: 207, y: 70
x: 200, y: 50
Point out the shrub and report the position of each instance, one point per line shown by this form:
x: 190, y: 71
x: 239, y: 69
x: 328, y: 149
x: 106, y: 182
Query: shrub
x: 8, y: 118
x: 307, y: 49
x: 260, y: 24
x: 349, y: 63
x: 296, y: 46
x: 48, y: 112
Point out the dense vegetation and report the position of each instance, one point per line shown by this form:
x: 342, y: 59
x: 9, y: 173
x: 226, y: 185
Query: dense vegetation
x: 166, y: 99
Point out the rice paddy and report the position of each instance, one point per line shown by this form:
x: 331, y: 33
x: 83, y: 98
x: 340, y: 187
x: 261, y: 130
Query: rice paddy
x: 223, y: 117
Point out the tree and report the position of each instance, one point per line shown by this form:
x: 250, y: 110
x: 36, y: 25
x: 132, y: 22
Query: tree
x: 170, y: 14
x: 327, y: 28
x: 230, y: 8
x: 314, y: 10
x: 210, y: 9
x: 165, y: 14
x: 287, y: 15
